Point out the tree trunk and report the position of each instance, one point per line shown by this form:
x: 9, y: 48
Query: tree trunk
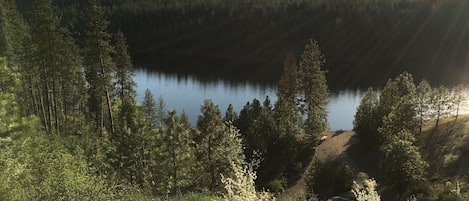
x: 43, y: 110
x: 49, y: 107
x: 109, y: 107
x: 54, y: 104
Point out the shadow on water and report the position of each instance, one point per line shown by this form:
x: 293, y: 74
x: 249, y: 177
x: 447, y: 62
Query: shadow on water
x: 187, y: 92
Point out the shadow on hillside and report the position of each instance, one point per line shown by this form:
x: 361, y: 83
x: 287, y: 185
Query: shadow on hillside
x: 446, y: 150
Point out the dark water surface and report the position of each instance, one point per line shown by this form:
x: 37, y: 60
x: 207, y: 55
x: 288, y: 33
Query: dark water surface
x: 187, y: 93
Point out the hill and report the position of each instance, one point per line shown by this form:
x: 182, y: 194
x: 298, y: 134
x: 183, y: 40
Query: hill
x: 445, y: 148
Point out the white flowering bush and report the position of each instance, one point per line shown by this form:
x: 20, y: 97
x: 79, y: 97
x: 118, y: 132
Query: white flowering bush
x: 241, y: 186
x: 367, y: 192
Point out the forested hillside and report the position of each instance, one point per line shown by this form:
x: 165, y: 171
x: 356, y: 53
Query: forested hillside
x: 71, y: 129
x: 226, y: 38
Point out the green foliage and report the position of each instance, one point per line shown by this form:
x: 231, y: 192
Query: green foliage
x: 40, y: 168
x: 403, y: 165
x: 217, y: 145
x: 287, y: 87
x: 54, y: 77
x: 276, y: 186
x: 99, y: 65
x: 400, y: 123
x: 230, y: 115
x: 441, y: 104
x: 13, y: 30
x: 423, y: 102
x: 149, y: 108
x: 176, y: 159
x: 313, y: 89
x: 402, y: 87
x: 124, y: 68
x: 329, y: 179
x: 365, y: 123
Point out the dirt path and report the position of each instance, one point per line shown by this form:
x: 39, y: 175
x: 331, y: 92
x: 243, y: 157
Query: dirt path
x: 333, y: 147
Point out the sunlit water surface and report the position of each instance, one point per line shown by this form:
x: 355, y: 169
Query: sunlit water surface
x: 187, y: 93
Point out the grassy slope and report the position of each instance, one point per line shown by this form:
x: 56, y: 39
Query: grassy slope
x: 446, y: 149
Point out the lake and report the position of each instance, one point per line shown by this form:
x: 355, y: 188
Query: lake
x: 187, y: 93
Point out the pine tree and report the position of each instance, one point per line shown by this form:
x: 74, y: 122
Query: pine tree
x: 397, y: 108
x: 60, y: 74
x: 149, y: 108
x: 99, y: 65
x: 286, y: 113
x: 216, y: 147
x: 313, y: 89
x: 395, y: 90
x: 124, y: 68
x: 13, y: 29
x: 176, y: 156
x: 403, y: 118
x: 365, y: 123
x: 287, y: 88
x: 403, y: 165
x: 125, y: 85
x: 230, y: 115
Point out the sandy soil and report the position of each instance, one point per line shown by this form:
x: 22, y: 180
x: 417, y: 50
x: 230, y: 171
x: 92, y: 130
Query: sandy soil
x: 334, y: 147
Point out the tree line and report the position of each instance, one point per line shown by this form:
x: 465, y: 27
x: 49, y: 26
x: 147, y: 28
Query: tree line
x: 353, y: 35
x: 390, y: 121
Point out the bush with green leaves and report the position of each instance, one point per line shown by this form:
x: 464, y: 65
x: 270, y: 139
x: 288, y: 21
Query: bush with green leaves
x: 329, y: 179
x: 38, y: 167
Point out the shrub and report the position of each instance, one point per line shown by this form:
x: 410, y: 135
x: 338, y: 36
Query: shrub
x: 331, y: 178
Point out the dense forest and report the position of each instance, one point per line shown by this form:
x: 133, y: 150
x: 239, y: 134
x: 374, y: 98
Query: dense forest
x: 71, y: 129
x: 225, y: 38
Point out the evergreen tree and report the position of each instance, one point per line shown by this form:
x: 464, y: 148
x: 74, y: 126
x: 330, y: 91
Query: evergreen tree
x: 397, y: 109
x: 99, y: 65
x: 365, y: 123
x: 313, y: 89
x: 216, y: 147
x: 176, y: 156
x: 124, y: 68
x: 395, y: 90
x: 286, y: 114
x: 403, y: 118
x: 13, y: 29
x: 403, y: 165
x: 149, y: 108
x: 160, y: 111
x: 287, y: 88
x: 124, y: 82
x: 60, y: 74
x: 230, y: 115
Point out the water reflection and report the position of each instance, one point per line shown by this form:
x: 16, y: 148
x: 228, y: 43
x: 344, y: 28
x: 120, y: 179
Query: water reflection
x: 187, y: 93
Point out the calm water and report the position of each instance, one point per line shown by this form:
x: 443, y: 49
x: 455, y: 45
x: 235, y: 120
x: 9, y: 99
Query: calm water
x: 187, y: 93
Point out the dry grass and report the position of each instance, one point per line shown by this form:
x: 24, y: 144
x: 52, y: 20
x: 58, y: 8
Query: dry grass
x: 446, y: 148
